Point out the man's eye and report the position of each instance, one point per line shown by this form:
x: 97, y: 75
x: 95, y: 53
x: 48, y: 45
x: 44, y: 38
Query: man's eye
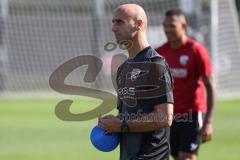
x: 117, y: 21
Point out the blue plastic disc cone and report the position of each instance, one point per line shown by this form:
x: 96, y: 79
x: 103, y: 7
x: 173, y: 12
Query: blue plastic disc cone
x: 103, y: 142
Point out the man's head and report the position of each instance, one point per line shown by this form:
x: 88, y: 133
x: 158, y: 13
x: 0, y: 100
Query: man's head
x: 175, y: 25
x: 129, y: 20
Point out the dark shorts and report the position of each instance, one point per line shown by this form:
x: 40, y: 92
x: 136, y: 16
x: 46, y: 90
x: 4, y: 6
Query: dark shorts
x: 184, y: 134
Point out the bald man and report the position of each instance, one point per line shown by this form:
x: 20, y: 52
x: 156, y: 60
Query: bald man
x: 144, y: 88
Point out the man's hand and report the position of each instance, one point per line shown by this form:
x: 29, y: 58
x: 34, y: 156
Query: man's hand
x: 207, y: 129
x: 206, y: 132
x: 110, y: 124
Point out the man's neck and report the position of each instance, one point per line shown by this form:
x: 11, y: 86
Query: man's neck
x: 178, y: 43
x: 138, y: 45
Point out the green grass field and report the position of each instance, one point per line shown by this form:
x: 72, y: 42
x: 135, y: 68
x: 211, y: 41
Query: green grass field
x: 29, y: 130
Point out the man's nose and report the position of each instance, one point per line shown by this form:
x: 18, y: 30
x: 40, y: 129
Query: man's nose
x: 114, y: 28
x: 167, y: 29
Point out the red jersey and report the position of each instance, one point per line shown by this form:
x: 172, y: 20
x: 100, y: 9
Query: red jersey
x: 188, y: 64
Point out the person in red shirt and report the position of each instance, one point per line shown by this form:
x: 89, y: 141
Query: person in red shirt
x: 194, y: 90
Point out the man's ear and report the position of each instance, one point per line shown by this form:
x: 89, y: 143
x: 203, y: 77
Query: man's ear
x: 139, y: 24
x: 184, y: 25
